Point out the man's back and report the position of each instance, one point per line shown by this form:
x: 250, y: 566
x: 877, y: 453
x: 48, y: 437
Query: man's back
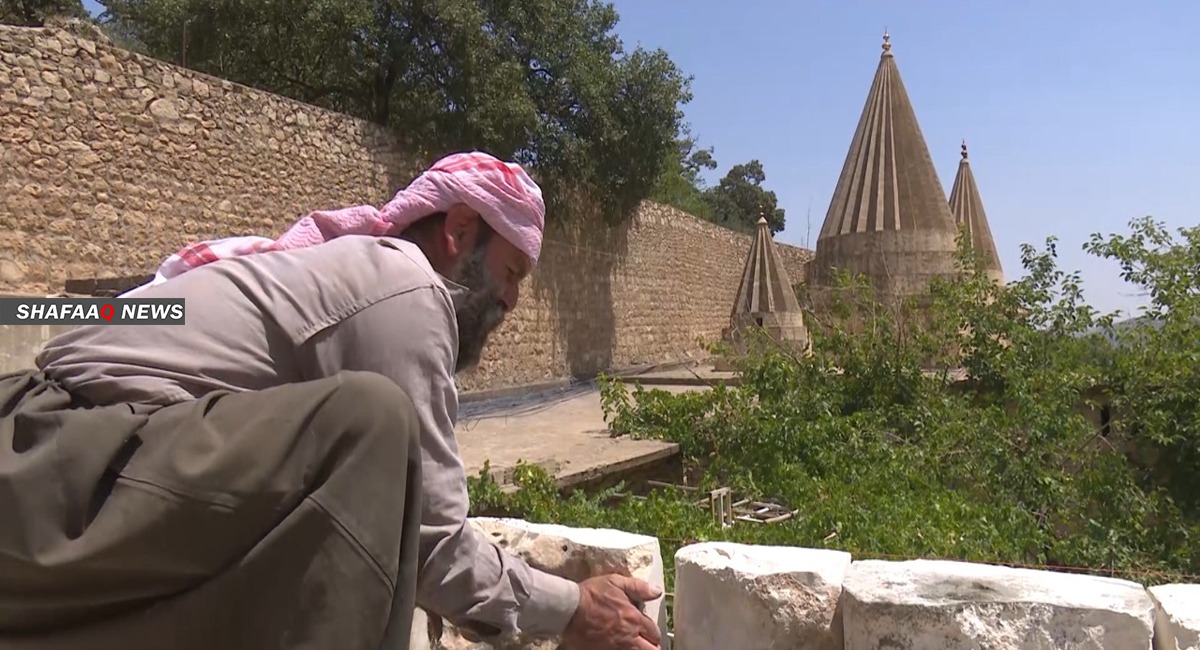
x: 247, y: 321
x: 358, y: 304
x: 258, y: 471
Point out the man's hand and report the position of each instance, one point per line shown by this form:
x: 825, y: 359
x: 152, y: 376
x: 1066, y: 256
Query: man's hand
x: 609, y: 616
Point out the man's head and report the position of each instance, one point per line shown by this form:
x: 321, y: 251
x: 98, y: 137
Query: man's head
x: 480, y: 222
x: 461, y: 246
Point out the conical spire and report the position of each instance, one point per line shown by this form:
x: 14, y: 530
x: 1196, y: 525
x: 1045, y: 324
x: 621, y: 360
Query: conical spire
x: 888, y: 218
x: 967, y: 208
x: 765, y: 296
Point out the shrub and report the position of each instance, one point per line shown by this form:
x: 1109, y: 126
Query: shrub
x: 951, y: 426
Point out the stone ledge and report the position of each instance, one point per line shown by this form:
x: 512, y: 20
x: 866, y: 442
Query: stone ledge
x: 572, y: 553
x: 1177, y: 621
x: 939, y: 604
x: 758, y: 597
x: 749, y: 597
x: 627, y: 374
x: 105, y: 287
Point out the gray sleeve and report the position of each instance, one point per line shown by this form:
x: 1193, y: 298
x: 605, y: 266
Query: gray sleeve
x: 412, y: 339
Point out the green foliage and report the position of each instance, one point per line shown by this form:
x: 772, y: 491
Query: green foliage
x: 740, y: 199
x: 33, y: 13
x: 544, y: 82
x: 1155, y: 377
x: 736, y: 202
x: 680, y: 184
x: 950, y: 426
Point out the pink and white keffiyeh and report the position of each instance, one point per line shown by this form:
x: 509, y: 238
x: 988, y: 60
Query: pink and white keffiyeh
x: 501, y: 192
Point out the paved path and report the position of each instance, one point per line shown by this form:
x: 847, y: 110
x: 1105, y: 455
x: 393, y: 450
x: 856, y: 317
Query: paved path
x: 563, y: 430
x: 701, y: 375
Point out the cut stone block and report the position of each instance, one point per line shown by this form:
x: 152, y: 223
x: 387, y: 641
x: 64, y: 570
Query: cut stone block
x: 573, y: 553
x: 925, y: 604
x: 419, y: 638
x: 744, y: 597
x: 1177, y: 623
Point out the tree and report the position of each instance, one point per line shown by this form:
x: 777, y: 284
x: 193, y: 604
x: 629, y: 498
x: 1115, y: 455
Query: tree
x: 740, y: 199
x: 545, y: 82
x: 680, y: 184
x: 33, y: 13
x: 693, y: 160
x: 1155, y: 374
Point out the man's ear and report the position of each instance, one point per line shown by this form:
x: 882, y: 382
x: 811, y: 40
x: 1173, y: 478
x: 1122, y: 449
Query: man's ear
x: 460, y: 230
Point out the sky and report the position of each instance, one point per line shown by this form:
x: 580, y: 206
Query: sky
x: 1079, y: 116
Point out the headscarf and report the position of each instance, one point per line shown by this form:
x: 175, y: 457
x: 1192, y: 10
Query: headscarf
x: 501, y: 192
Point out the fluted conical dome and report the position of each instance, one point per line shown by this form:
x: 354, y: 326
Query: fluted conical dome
x: 967, y: 208
x: 888, y: 219
x: 765, y: 296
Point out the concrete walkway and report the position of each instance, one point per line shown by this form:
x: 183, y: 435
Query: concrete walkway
x: 563, y: 430
x: 700, y: 375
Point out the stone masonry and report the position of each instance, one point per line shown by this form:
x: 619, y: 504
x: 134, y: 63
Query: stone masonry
x: 573, y: 553
x: 615, y: 298
x: 730, y: 596
x: 111, y: 161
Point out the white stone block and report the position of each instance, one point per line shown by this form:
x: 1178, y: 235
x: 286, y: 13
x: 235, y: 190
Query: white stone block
x: 1177, y: 623
x: 573, y: 553
x: 744, y: 597
x: 419, y: 638
x: 925, y: 604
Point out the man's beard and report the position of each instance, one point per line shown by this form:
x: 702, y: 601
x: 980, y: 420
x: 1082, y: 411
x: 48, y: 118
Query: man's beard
x: 478, y: 310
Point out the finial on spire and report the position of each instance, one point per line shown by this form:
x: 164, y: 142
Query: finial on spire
x: 762, y: 215
x: 964, y: 149
x: 887, y: 46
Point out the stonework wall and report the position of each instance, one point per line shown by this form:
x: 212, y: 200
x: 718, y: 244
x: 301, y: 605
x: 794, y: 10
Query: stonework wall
x: 111, y: 161
x: 603, y: 298
x: 753, y: 597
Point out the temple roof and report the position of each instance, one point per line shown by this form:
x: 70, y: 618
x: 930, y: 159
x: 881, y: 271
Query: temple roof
x: 765, y: 286
x: 888, y: 181
x: 766, y: 298
x: 967, y: 207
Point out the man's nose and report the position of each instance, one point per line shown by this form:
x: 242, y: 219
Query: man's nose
x: 511, y: 294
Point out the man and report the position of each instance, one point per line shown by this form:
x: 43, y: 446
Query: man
x: 282, y: 471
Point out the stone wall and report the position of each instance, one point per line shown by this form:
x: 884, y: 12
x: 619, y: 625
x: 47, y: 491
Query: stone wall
x: 602, y: 298
x: 762, y: 597
x: 111, y: 161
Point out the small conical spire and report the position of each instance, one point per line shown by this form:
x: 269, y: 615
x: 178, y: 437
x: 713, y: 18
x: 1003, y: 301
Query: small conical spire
x: 765, y: 297
x: 967, y: 208
x: 887, y: 46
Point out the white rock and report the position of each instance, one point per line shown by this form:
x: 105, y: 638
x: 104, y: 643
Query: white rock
x: 573, y: 553
x: 936, y: 605
x: 1177, y: 624
x: 758, y: 597
x: 419, y: 638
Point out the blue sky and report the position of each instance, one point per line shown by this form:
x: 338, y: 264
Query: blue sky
x: 1079, y: 115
